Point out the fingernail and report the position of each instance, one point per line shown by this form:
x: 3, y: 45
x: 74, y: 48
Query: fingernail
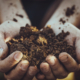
x: 24, y: 65
x: 18, y: 56
x: 1, y: 51
x: 32, y: 71
x: 51, y: 60
x: 45, y: 67
x: 64, y: 58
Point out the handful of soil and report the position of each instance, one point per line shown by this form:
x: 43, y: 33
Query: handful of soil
x: 36, y: 44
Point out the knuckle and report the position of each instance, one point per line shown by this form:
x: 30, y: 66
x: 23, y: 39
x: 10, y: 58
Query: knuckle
x: 50, y: 78
x: 64, y: 75
x: 20, y: 72
x: 74, y: 68
x: 61, y: 75
x: 12, y: 77
x: 55, y: 68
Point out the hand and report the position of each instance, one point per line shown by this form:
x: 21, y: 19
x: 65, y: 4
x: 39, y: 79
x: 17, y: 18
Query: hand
x: 22, y: 71
x: 52, y: 69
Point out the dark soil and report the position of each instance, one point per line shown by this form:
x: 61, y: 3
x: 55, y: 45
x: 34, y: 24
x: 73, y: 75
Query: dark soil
x: 36, y: 44
x: 62, y: 20
x: 15, y: 20
x: 19, y: 15
x: 70, y: 11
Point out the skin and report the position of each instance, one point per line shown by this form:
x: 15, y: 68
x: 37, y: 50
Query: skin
x: 22, y: 71
x: 52, y: 69
x: 9, y: 29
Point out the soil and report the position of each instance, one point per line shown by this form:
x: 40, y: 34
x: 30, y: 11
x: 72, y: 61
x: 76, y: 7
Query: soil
x: 19, y: 15
x: 62, y: 20
x: 15, y: 20
x: 70, y: 11
x: 37, y: 44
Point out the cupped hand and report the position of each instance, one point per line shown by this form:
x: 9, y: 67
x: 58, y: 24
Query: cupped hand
x: 22, y: 71
x: 52, y: 69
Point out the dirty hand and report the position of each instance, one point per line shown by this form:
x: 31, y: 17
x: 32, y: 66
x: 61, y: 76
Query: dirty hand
x: 8, y: 30
x: 52, y: 69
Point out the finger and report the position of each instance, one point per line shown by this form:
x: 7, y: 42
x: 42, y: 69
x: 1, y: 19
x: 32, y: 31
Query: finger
x: 56, y: 67
x: 77, y: 45
x: 40, y: 77
x: 19, y: 71
x: 70, y: 64
x: 31, y: 73
x: 45, y: 68
x: 10, y: 61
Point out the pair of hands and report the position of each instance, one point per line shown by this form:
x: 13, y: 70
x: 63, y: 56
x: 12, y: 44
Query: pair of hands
x: 51, y: 69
